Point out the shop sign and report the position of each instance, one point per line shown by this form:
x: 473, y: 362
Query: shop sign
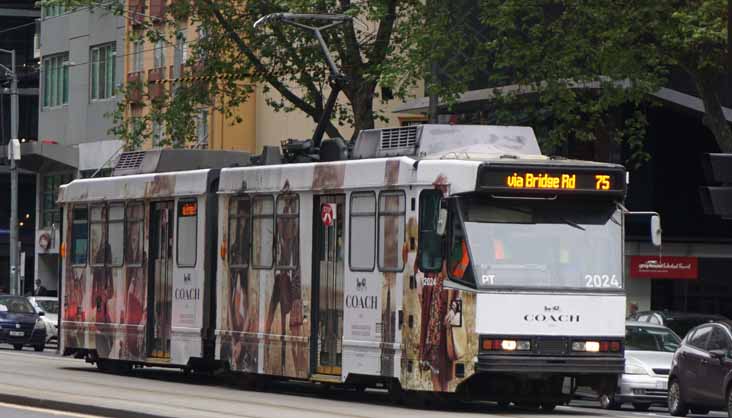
x: 664, y: 267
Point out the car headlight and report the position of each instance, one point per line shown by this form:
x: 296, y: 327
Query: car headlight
x: 634, y: 367
x: 39, y: 324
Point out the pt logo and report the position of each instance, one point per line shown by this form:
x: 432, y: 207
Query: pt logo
x: 361, y: 284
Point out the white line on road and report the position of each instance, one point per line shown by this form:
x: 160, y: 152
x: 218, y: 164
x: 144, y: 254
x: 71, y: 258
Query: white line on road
x: 47, y: 411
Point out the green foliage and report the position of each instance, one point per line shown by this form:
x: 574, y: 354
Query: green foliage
x: 385, y: 46
x: 588, y: 68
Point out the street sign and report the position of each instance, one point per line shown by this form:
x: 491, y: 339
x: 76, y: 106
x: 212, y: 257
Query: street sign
x: 328, y: 213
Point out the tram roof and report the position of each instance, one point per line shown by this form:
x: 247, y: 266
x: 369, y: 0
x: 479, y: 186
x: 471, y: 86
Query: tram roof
x: 140, y: 186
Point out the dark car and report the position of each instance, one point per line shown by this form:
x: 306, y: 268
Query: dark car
x: 701, y: 371
x: 20, y: 324
x: 679, y: 322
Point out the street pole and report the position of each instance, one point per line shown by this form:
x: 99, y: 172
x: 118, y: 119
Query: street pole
x: 13, y: 148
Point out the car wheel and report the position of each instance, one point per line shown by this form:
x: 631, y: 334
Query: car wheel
x: 39, y: 347
x: 17, y: 347
x: 729, y: 402
x: 608, y: 401
x: 641, y: 406
x: 676, y: 405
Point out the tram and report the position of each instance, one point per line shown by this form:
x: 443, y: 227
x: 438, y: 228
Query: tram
x: 449, y: 259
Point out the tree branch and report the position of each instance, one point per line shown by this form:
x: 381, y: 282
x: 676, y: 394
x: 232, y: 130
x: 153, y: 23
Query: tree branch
x: 269, y: 77
x: 377, y: 54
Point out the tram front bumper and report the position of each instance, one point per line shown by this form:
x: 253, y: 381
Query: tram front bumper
x: 575, y: 365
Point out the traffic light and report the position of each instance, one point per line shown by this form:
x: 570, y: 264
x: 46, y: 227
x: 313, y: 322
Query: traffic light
x: 716, y: 198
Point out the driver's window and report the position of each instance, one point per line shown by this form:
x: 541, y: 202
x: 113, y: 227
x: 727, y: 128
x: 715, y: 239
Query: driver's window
x: 430, y: 242
x: 718, y: 340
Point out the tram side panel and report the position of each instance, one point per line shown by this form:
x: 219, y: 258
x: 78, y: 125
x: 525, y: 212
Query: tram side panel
x: 263, y: 299
x: 439, y: 326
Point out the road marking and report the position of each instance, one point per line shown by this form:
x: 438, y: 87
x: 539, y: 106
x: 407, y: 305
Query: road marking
x: 47, y: 411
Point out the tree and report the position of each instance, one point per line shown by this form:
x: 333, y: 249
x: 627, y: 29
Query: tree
x: 590, y: 66
x: 385, y: 45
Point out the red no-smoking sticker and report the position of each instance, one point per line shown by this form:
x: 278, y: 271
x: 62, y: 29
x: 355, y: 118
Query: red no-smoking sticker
x: 328, y: 213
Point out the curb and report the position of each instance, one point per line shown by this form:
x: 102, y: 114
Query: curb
x: 74, y: 407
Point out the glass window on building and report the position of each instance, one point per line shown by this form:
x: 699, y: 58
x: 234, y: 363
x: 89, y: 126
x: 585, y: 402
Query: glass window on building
x: 137, y: 56
x: 102, y: 59
x: 202, y: 128
x: 53, y: 10
x: 180, y: 55
x: 158, y: 134
x: 159, y: 54
x: 55, y: 80
x: 50, y: 211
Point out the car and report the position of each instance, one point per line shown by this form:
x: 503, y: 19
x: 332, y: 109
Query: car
x: 701, y: 371
x: 49, y: 306
x: 679, y: 322
x: 649, y: 349
x: 20, y: 324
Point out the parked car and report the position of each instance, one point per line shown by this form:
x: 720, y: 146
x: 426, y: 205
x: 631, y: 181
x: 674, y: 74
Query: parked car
x: 679, y: 322
x: 701, y: 371
x: 48, y: 305
x: 21, y: 324
x: 649, y: 349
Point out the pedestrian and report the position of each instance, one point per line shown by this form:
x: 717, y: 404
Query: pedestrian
x: 39, y: 289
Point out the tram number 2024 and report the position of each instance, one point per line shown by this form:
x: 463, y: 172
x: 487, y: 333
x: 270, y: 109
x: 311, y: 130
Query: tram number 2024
x: 602, y: 280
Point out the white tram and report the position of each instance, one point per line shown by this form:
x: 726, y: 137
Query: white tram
x: 453, y: 259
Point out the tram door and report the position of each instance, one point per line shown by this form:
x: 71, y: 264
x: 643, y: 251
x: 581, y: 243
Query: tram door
x: 160, y: 288
x: 328, y: 265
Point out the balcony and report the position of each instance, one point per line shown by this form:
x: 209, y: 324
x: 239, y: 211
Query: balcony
x: 134, y: 86
x: 156, y: 83
x: 157, y: 9
x: 136, y: 12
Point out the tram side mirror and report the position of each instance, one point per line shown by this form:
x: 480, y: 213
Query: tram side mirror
x: 441, y: 222
x: 656, y: 230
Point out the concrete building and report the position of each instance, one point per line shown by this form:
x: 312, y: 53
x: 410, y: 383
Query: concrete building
x: 81, y: 70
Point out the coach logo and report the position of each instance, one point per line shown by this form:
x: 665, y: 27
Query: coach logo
x: 361, y: 284
x: 552, y: 317
x: 187, y: 277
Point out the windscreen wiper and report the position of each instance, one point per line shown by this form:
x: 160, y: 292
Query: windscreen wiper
x: 572, y: 223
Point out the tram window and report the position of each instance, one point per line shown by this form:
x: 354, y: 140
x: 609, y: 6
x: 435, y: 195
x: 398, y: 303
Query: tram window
x: 80, y: 237
x: 239, y: 211
x: 98, y: 236
x: 430, y: 243
x: 135, y: 221
x: 392, y: 208
x: 262, y: 231
x: 116, y: 235
x: 288, y: 231
x: 187, y: 239
x: 362, y: 245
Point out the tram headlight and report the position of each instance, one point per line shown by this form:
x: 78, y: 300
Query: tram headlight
x: 499, y: 344
x: 508, y: 345
x: 586, y: 346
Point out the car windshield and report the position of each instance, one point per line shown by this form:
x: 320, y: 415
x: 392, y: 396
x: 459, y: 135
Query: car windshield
x: 15, y: 305
x: 640, y: 338
x: 50, y: 306
x: 544, y: 244
x: 682, y: 326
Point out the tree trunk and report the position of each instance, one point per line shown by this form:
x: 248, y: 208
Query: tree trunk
x: 362, y: 104
x: 713, y: 115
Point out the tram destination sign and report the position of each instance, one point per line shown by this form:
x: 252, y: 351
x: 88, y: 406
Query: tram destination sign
x: 542, y: 179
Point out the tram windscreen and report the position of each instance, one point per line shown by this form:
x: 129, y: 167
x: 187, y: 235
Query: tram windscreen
x: 544, y: 244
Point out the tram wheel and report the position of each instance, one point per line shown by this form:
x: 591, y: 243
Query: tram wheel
x: 548, y: 406
x: 608, y: 402
x: 641, y: 406
x: 17, y: 347
x: 503, y: 404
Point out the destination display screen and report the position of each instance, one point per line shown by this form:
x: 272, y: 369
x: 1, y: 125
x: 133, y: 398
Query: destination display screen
x: 545, y: 179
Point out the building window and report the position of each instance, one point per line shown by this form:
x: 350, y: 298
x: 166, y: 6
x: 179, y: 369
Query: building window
x: 239, y: 211
x: 363, y: 231
x: 51, y: 213
x: 134, y: 229
x: 392, y: 209
x: 159, y: 54
x: 80, y: 236
x: 158, y: 134
x: 187, y: 231
x: 102, y: 71
x: 180, y: 54
x: 288, y: 231
x: 202, y: 128
x: 262, y: 231
x: 55, y: 80
x: 137, y: 57
x: 53, y: 10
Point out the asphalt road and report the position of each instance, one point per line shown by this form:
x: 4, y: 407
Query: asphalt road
x: 45, y: 380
